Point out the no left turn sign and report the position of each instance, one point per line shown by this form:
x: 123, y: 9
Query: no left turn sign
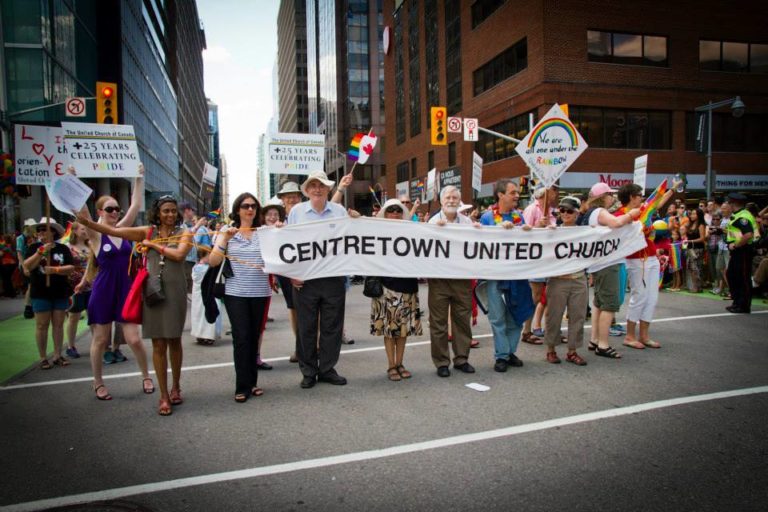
x: 75, y: 107
x: 454, y: 125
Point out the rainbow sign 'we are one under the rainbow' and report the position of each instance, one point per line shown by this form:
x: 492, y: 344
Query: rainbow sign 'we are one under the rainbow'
x: 552, y: 146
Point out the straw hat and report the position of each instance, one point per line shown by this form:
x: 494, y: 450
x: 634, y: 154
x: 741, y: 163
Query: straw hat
x: 54, y: 225
x: 394, y: 202
x: 316, y: 176
x: 289, y: 187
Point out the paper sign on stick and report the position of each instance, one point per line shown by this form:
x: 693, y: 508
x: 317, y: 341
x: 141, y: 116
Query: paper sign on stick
x: 210, y: 173
x: 39, y: 154
x: 101, y: 150
x: 641, y: 170
x: 67, y: 193
x: 552, y: 146
x: 431, y: 184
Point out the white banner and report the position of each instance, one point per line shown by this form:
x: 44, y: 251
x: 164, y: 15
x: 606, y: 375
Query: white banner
x: 296, y: 153
x: 102, y: 150
x: 380, y: 247
x: 39, y: 154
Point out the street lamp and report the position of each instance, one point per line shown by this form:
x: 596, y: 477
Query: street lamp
x: 737, y: 109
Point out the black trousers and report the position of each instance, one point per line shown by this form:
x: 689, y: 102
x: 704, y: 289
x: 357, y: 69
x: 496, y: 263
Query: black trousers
x: 319, y: 302
x: 739, y: 276
x: 246, y: 314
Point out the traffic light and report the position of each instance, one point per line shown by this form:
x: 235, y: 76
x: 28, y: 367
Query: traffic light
x: 106, y: 102
x: 439, y: 132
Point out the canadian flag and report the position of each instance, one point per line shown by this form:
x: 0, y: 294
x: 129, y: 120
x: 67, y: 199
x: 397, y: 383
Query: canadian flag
x: 367, y: 143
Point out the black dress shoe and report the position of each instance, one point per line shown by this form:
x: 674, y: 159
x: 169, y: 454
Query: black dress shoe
x: 332, y: 378
x: 308, y: 382
x: 514, y: 361
x: 443, y: 371
x: 264, y: 366
x: 466, y: 368
x: 736, y: 309
x: 500, y: 366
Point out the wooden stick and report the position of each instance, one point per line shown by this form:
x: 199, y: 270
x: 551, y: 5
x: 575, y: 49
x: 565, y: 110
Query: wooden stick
x: 48, y: 234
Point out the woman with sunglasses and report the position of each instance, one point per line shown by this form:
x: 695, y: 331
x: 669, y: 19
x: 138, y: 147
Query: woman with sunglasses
x: 567, y: 291
x: 166, y: 244
x: 247, y: 294
x: 48, y: 264
x: 396, y: 314
x: 111, y: 255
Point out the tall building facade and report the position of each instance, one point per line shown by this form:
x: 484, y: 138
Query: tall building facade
x: 214, y: 155
x: 292, y: 66
x: 345, y: 76
x: 632, y: 74
x: 186, y: 40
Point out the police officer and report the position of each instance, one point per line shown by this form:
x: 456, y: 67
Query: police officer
x: 740, y: 236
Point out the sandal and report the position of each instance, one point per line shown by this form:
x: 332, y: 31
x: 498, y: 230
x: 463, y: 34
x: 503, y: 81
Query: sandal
x: 45, y: 365
x: 403, y: 372
x: 651, y: 344
x: 241, y: 398
x: 61, y: 361
x: 634, y: 344
x: 529, y: 337
x: 474, y: 344
x: 256, y: 391
x: 164, y: 407
x: 393, y: 374
x: 573, y: 357
x: 592, y: 346
x: 105, y: 396
x: 609, y: 352
x: 148, y: 390
x: 176, y: 396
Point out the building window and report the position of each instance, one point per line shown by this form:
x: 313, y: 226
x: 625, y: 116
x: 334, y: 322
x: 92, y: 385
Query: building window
x: 399, y: 82
x: 506, y: 64
x: 747, y: 134
x: 623, y: 129
x: 732, y: 56
x: 492, y: 148
x: 430, y: 52
x: 430, y: 160
x: 451, y: 154
x: 620, y: 48
x: 482, y: 9
x: 402, y: 171
x: 414, y: 68
x: 414, y: 170
x: 453, y: 55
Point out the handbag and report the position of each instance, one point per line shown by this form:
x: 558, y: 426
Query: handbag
x: 220, y: 286
x: 132, y: 307
x: 372, y: 287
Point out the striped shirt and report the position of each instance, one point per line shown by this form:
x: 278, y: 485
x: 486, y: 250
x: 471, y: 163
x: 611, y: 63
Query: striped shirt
x: 248, y: 280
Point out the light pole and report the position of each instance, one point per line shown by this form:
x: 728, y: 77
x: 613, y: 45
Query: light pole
x: 344, y: 160
x: 737, y: 109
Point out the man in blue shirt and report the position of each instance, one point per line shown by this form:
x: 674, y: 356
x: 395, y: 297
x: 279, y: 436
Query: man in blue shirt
x: 322, y: 299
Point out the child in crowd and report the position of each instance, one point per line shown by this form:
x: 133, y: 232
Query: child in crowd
x: 676, y: 271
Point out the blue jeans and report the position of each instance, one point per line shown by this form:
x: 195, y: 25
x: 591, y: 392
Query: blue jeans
x: 506, y: 332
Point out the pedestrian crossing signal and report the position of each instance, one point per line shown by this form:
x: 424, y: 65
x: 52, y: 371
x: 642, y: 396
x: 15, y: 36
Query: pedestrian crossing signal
x: 438, y: 129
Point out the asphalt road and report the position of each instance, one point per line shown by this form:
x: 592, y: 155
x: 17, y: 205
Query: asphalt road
x: 679, y: 428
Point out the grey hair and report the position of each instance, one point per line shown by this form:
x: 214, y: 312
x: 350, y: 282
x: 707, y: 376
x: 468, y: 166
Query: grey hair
x: 446, y: 189
x: 539, y: 193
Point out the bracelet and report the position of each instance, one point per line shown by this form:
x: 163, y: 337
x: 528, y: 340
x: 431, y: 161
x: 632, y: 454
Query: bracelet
x: 162, y: 250
x: 222, y: 249
x: 41, y: 250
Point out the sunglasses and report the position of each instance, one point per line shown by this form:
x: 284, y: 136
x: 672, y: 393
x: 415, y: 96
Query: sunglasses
x: 567, y: 210
x: 112, y: 209
x: 393, y: 209
x: 248, y: 206
x: 41, y: 229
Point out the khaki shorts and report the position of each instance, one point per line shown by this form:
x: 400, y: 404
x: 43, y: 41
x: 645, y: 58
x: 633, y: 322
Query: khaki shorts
x: 607, y: 289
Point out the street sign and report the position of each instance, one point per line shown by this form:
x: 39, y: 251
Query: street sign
x: 75, y: 107
x: 552, y: 146
x: 477, y: 171
x: 454, y: 125
x: 470, y: 130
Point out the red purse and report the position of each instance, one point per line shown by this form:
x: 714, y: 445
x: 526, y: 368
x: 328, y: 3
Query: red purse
x: 132, y: 308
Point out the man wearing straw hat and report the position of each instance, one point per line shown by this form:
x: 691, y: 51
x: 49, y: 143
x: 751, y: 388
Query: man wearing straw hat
x: 322, y: 299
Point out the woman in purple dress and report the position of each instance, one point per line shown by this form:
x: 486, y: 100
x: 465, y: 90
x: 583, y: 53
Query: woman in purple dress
x: 111, y: 255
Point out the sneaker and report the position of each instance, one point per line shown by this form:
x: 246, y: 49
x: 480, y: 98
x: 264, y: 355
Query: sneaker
x: 109, y: 357
x: 500, y: 366
x: 347, y: 341
x: 715, y: 291
x: 538, y: 332
x: 119, y: 357
x: 28, y: 313
x: 73, y: 353
x: 616, y: 331
x: 515, y: 361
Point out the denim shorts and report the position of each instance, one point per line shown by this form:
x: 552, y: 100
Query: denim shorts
x: 45, y: 305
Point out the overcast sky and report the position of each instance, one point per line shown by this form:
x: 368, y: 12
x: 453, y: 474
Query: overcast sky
x: 241, y: 36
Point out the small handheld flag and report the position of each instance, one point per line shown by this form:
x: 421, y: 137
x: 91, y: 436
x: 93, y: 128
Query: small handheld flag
x: 652, y: 203
x: 361, y: 147
x: 67, y: 234
x: 214, y: 213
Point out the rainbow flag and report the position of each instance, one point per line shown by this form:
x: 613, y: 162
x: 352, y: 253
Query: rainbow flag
x: 214, y: 213
x: 67, y: 234
x: 651, y: 204
x: 676, y: 257
x: 354, y: 147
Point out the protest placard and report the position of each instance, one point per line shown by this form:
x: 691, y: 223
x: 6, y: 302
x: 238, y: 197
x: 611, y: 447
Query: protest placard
x: 296, y: 153
x: 39, y: 154
x: 101, y: 150
x: 208, y: 185
x: 641, y: 170
x: 67, y: 193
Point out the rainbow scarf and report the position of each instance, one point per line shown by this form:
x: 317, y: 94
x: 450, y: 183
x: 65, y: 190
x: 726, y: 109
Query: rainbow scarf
x: 354, y: 147
x: 67, y: 234
x: 676, y: 257
x: 651, y: 204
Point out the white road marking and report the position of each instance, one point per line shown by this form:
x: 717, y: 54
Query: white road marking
x: 348, y: 351
x: 168, y: 485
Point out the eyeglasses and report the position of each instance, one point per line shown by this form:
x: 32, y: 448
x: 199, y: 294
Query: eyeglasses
x: 567, y: 210
x: 248, y: 206
x: 393, y: 209
x: 112, y: 209
x: 41, y: 229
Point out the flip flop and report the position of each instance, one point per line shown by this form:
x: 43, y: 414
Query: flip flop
x: 104, y: 397
x: 256, y: 391
x: 634, y: 344
x: 148, y: 390
x: 651, y: 344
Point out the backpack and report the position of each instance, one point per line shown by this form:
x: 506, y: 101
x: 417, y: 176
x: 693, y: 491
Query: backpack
x: 583, y: 219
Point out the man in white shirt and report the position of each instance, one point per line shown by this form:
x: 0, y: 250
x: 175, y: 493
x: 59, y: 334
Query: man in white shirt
x: 455, y: 294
